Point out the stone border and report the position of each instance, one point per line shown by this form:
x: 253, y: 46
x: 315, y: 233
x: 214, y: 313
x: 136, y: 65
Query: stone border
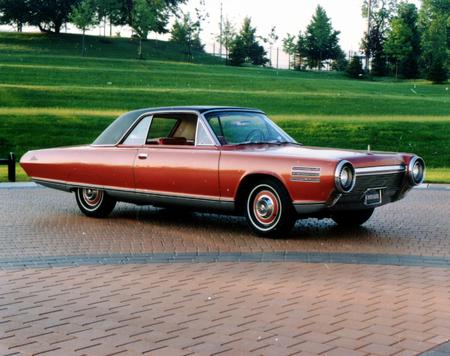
x: 440, y: 350
x: 211, y: 257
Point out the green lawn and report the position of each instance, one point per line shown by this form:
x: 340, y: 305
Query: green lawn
x: 50, y: 96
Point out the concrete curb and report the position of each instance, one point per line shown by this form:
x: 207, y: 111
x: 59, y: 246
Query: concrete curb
x: 217, y: 257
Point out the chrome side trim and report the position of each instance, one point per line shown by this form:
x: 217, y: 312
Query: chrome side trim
x: 305, y: 174
x: 367, y: 171
x: 69, y: 185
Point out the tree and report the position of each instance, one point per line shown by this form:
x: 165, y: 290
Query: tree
x: 321, y: 39
x: 146, y: 18
x: 301, y: 51
x: 228, y: 36
x: 290, y: 47
x: 111, y: 10
x: 50, y: 15
x: 403, y: 41
x: 187, y: 33
x: 84, y: 16
x: 340, y: 63
x: 272, y: 38
x: 245, y: 47
x: 355, y: 69
x: 373, y: 43
x: 435, y: 39
x: 14, y: 12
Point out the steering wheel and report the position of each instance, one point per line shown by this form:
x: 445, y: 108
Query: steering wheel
x: 255, y: 135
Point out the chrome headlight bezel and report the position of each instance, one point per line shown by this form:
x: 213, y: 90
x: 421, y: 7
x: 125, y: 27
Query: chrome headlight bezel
x: 344, y: 166
x: 419, y: 177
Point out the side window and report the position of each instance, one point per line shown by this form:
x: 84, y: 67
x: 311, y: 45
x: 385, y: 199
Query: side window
x: 203, y: 139
x: 161, y: 127
x: 138, y: 136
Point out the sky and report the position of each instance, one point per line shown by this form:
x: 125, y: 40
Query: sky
x: 288, y: 16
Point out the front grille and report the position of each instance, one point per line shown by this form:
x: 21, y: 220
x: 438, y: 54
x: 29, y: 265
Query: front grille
x: 391, y: 184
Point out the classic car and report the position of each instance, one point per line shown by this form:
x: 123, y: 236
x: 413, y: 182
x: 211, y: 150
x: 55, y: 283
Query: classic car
x: 223, y: 159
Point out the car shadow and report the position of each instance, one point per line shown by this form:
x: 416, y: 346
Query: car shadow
x: 178, y: 218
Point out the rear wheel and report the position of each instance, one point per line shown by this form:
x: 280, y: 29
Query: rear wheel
x: 352, y: 217
x: 94, y: 202
x: 268, y: 209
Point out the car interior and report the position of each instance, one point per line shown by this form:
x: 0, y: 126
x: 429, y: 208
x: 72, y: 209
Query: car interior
x: 172, y: 129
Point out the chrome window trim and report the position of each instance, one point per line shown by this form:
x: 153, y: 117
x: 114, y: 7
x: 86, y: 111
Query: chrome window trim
x: 366, y: 171
x: 209, y: 130
x: 150, y: 113
x: 233, y: 110
x: 202, y: 121
x: 269, y: 122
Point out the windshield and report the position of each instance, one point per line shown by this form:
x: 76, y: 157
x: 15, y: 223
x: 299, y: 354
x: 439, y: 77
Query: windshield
x: 239, y: 128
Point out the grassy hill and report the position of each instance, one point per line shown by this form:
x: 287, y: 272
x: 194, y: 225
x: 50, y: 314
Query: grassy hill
x: 50, y: 96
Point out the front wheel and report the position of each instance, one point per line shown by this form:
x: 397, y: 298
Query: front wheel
x: 94, y: 202
x: 352, y: 217
x: 269, y: 210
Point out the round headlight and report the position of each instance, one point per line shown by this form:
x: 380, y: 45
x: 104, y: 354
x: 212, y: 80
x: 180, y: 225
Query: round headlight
x: 416, y: 170
x: 345, y: 177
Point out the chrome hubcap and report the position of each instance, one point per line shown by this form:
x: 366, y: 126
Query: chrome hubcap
x: 265, y: 207
x: 92, y: 197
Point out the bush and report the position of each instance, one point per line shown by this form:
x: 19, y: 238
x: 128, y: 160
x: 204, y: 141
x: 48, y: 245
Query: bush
x: 354, y: 68
x: 438, y: 72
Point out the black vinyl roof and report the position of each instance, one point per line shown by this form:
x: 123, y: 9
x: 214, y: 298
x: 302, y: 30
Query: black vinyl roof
x: 200, y: 108
x: 120, y: 126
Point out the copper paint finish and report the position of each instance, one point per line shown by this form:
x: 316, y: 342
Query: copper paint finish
x: 212, y: 173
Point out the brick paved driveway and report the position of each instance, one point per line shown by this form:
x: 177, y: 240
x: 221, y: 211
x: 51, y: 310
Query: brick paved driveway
x: 218, y: 308
x: 234, y: 308
x: 38, y: 222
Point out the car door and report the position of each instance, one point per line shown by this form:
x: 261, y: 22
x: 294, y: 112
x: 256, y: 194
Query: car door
x: 176, y: 161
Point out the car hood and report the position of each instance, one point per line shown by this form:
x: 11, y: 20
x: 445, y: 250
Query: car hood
x: 357, y: 158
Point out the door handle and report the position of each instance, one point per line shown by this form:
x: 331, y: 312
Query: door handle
x: 142, y: 155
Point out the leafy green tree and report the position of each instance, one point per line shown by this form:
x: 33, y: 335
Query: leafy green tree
x: 84, y: 16
x: 187, y: 33
x: 301, y: 52
x: 272, y: 38
x: 111, y: 10
x: 290, y: 47
x: 228, y: 36
x: 435, y: 39
x: 372, y: 44
x: 146, y: 17
x: 403, y: 43
x: 50, y: 15
x: 15, y: 12
x: 354, y: 68
x: 245, y: 47
x: 321, y: 39
x: 340, y: 63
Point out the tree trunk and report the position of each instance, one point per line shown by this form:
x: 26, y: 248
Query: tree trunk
x: 140, y: 48
x: 43, y: 29
x: 58, y: 26
x: 83, y: 43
